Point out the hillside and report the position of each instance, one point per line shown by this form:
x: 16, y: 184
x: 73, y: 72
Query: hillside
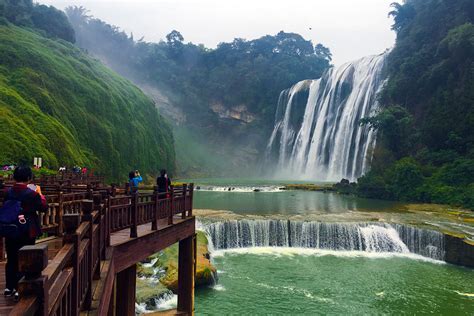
x: 60, y: 104
x: 426, y: 130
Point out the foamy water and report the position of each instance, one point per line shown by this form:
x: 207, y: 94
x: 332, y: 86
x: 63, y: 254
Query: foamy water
x: 291, y: 251
x: 240, y: 189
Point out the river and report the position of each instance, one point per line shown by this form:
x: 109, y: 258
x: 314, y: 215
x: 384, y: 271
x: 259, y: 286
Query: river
x: 337, y: 280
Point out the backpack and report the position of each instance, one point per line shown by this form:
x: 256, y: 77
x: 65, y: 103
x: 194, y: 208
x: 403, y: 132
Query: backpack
x: 12, y: 222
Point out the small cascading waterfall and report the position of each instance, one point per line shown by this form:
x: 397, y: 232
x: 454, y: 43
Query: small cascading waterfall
x: 369, y: 237
x: 317, y: 132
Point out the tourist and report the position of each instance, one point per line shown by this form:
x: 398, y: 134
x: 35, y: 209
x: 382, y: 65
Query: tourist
x: 163, y: 182
x: 32, y: 201
x: 134, y: 179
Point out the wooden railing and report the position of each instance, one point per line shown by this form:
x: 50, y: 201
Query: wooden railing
x: 85, y: 222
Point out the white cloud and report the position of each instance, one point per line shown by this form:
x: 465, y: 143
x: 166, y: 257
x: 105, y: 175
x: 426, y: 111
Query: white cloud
x: 350, y: 28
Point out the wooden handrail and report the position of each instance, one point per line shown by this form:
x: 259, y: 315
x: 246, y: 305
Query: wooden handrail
x: 58, y: 263
x: 85, y: 220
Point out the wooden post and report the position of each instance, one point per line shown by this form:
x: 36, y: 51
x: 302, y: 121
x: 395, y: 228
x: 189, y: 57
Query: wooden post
x: 186, y: 276
x: 87, y: 208
x: 107, y: 221
x: 90, y: 192
x: 71, y: 223
x: 60, y: 213
x: 191, y: 195
x: 134, y: 210
x: 113, y: 300
x: 154, y: 224
x: 114, y: 190
x: 99, y: 206
x: 183, y: 214
x: 126, y: 289
x: 171, y: 206
x: 127, y: 188
x: 31, y: 261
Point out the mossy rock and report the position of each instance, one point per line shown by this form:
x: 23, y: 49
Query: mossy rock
x: 148, y: 292
x: 168, y: 261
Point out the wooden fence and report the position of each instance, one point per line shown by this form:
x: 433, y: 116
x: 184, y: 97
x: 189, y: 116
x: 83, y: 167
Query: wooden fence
x: 84, y: 221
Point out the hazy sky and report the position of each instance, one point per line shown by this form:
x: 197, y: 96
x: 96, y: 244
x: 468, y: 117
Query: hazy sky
x: 350, y: 28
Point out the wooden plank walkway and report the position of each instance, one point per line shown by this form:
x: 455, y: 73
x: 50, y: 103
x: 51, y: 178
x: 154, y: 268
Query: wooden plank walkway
x: 123, y: 235
x: 6, y: 303
x: 104, y: 231
x: 116, y: 239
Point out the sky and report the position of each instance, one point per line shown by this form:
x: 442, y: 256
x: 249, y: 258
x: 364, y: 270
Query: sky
x: 350, y: 28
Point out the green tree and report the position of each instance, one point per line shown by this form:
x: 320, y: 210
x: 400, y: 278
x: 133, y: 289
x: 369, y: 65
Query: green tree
x: 395, y: 127
x: 402, y: 15
x: 404, y: 179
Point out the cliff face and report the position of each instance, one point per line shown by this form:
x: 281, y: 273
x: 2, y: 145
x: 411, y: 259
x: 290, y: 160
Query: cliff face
x: 238, y: 112
x: 60, y: 104
x: 425, y: 138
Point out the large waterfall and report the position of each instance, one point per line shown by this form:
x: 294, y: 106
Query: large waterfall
x: 317, y: 134
x: 369, y: 237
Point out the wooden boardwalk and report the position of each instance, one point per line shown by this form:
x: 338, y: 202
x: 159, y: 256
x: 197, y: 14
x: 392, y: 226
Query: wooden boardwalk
x: 6, y: 303
x: 97, y: 235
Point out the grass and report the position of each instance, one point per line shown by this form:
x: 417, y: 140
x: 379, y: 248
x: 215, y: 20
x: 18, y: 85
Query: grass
x: 58, y: 103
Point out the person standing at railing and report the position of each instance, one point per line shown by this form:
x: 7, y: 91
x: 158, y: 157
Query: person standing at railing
x: 134, y: 179
x: 163, y: 182
x: 31, y: 201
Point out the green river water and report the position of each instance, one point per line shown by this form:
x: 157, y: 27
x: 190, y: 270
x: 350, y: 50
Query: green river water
x: 252, y: 284
x: 213, y: 194
x: 258, y: 281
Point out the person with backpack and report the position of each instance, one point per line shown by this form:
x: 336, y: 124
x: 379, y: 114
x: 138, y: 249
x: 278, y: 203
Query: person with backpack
x: 163, y: 182
x: 20, y: 224
x: 134, y: 179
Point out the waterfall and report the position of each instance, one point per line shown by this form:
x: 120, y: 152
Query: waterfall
x: 317, y: 134
x: 368, y: 237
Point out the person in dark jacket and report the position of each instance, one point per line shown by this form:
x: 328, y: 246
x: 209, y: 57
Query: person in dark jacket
x: 32, y: 201
x: 163, y: 182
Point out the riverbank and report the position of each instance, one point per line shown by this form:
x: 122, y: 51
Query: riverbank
x: 158, y: 277
x: 310, y: 187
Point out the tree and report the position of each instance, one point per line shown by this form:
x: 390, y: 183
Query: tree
x: 402, y: 14
x: 77, y: 15
x: 395, y: 125
x: 404, y: 179
x: 322, y: 52
x: 53, y: 21
x: 174, y: 38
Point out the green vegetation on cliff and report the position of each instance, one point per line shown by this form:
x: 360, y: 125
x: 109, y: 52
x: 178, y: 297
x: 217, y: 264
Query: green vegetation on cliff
x: 225, y: 97
x: 426, y: 129
x: 60, y: 104
x: 48, y: 20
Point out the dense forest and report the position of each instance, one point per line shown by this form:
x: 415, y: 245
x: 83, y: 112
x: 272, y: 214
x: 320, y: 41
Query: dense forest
x: 221, y: 101
x: 426, y: 129
x: 68, y: 108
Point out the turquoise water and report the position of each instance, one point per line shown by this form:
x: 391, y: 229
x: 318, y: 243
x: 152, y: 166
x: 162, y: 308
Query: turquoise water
x: 280, y: 281
x: 251, y: 284
x: 213, y: 194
